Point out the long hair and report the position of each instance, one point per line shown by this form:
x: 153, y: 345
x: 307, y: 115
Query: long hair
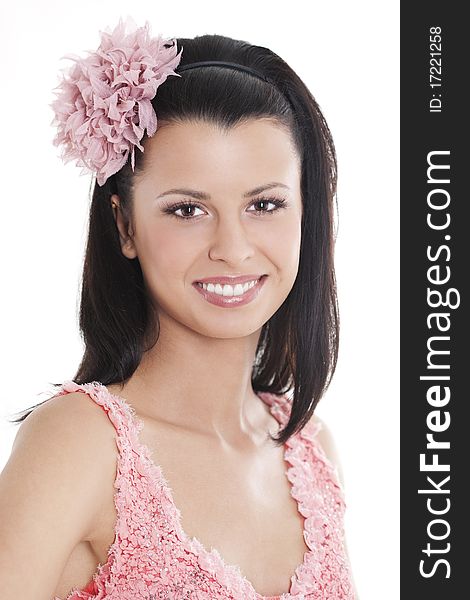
x: 298, y: 346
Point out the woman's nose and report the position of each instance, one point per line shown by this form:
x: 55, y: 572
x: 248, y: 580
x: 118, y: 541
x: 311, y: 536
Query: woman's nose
x: 231, y: 242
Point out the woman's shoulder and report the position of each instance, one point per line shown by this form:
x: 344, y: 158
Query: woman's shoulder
x: 55, y: 484
x: 68, y: 442
x: 65, y: 436
x: 72, y: 417
x: 327, y: 443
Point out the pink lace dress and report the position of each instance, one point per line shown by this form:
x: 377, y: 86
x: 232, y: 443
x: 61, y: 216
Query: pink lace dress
x: 152, y: 558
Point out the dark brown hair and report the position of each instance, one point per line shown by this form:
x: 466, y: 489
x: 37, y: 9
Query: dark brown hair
x: 298, y: 345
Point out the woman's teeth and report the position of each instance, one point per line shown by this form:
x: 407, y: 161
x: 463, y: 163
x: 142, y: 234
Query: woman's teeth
x: 228, y: 290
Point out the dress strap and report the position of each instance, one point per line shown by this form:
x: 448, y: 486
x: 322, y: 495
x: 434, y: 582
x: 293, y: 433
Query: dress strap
x: 119, y: 413
x: 281, y: 406
x: 133, y: 499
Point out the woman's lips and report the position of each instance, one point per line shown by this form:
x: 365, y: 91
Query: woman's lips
x: 231, y: 301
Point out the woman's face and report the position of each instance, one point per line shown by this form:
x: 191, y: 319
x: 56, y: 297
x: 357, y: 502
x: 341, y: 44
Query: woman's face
x: 231, y: 229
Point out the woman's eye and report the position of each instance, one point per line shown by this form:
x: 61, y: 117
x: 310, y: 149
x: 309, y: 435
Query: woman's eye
x: 263, y: 203
x: 187, y: 210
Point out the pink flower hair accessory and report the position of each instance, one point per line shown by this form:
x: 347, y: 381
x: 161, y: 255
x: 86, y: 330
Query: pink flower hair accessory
x: 103, y: 104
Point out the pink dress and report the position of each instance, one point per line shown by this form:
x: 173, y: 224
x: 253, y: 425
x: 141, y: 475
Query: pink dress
x: 152, y: 558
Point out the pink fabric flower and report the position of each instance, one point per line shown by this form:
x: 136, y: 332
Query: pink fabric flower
x: 103, y: 104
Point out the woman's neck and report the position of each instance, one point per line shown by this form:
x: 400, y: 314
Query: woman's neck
x: 199, y: 383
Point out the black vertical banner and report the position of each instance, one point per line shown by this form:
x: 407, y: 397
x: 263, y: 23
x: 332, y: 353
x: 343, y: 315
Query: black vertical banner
x: 435, y: 270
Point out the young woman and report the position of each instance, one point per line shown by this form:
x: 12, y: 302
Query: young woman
x: 184, y: 459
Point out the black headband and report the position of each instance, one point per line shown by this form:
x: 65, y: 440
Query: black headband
x: 222, y: 63
x: 237, y: 67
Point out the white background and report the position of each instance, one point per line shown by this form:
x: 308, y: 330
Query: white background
x: 348, y: 55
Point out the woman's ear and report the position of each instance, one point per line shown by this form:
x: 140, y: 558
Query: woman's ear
x: 125, y: 236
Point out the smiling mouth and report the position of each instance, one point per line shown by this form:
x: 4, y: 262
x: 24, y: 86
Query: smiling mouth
x: 227, y: 295
x: 229, y: 290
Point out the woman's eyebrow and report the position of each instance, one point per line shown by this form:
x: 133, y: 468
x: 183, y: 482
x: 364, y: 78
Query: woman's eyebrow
x: 203, y: 196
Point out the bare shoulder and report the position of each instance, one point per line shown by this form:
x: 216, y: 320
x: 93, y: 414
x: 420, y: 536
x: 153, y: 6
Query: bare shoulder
x: 62, y: 410
x: 328, y: 445
x: 66, y: 436
x: 71, y: 422
x: 74, y: 425
x: 52, y: 490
